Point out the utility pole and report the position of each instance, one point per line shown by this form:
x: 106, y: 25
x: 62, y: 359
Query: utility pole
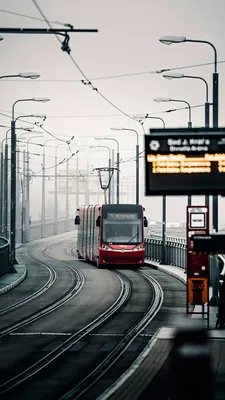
x: 113, y: 181
x: 1, y: 194
x: 6, y: 181
x: 109, y: 190
x: 56, y: 199
x: 215, y: 125
x: 43, y: 198
x: 67, y: 193
x: 77, y: 185
x: 18, y: 202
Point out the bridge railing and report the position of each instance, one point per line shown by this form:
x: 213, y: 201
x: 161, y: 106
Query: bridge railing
x: 175, y: 250
x: 4, y: 255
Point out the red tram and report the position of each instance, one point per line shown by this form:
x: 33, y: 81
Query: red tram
x: 111, y: 234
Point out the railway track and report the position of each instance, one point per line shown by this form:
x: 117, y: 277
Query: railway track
x: 115, y: 354
x: 73, y: 339
x: 87, y: 383
x: 53, y: 278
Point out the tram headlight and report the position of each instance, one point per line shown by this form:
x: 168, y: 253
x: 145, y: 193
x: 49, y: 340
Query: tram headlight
x: 137, y: 248
x: 104, y: 247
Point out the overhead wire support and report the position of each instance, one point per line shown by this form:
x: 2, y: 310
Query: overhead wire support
x: 49, y: 31
x: 53, y: 31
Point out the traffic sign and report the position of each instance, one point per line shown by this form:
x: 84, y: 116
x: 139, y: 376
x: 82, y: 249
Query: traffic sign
x: 185, y: 161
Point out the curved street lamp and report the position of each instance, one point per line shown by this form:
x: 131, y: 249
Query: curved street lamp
x: 181, y: 39
x: 168, y: 99
x: 151, y: 117
x: 178, y: 75
x: 165, y: 100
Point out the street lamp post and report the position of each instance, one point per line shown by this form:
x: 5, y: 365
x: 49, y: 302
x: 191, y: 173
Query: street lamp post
x: 118, y: 167
x: 43, y: 188
x: 181, y: 39
x: 56, y: 190
x: 13, y: 180
x: 177, y: 75
x: 137, y: 159
x: 152, y: 117
x: 31, y: 75
x: 28, y: 186
x: 4, y: 182
x: 167, y: 100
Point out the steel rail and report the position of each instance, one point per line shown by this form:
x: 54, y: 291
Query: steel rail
x: 56, y: 304
x: 91, y: 379
x: 52, y: 279
x: 121, y: 300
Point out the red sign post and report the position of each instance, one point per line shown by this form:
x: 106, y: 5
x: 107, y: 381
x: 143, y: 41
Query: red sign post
x: 197, y: 265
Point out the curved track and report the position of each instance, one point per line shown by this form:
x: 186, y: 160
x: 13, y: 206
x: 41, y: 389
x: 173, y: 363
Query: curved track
x: 82, y: 387
x: 9, y: 387
x: 46, y: 310
x: 75, y: 338
x: 52, y: 279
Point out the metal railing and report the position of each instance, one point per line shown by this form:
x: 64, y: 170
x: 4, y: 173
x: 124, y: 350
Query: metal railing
x: 4, y: 256
x: 175, y: 250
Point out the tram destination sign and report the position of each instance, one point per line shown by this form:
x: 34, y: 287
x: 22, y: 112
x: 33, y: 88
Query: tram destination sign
x: 185, y: 161
x: 122, y: 216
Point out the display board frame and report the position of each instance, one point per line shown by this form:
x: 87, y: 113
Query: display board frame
x: 185, y: 161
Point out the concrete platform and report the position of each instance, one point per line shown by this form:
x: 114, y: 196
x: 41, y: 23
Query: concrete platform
x: 9, y: 281
x: 149, y: 376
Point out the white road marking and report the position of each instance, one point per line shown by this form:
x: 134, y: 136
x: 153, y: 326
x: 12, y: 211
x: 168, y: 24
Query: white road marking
x: 69, y: 334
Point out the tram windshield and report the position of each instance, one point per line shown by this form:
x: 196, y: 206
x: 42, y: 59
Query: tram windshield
x: 122, y: 227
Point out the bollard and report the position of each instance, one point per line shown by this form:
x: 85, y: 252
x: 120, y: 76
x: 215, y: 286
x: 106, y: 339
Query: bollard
x: 191, y: 371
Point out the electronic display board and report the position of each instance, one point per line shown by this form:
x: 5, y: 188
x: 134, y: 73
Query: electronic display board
x: 185, y: 161
x: 121, y: 216
x: 209, y: 244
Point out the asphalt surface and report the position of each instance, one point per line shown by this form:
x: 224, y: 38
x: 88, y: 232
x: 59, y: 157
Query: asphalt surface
x: 101, y: 288
x: 174, y: 305
x: 37, y: 276
x: 65, y: 281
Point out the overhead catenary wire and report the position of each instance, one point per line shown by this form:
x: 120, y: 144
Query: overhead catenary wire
x: 86, y: 81
x: 102, y: 77
x: 31, y: 17
x: 106, y: 115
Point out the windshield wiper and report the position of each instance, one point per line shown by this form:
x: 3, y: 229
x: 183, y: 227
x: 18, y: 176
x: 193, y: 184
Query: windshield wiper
x: 136, y: 234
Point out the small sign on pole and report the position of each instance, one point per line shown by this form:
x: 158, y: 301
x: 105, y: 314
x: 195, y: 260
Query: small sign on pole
x: 197, y: 263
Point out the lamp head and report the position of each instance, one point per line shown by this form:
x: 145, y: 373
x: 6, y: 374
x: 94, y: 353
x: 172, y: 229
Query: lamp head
x: 173, y: 75
x: 31, y: 75
x: 172, y: 39
x: 41, y: 99
x: 162, y: 99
